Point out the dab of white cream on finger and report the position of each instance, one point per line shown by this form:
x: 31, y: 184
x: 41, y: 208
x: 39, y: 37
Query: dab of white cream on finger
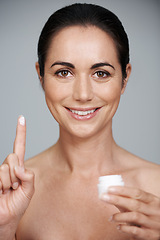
x: 22, y: 120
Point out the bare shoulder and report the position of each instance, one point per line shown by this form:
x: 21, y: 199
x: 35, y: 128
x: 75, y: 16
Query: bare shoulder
x: 131, y: 160
x: 150, y: 177
x: 145, y: 173
x: 41, y: 161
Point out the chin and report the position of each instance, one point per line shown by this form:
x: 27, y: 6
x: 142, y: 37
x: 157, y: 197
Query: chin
x: 83, y: 132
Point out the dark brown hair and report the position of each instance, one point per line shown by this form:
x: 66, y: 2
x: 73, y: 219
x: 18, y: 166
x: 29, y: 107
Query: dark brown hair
x: 84, y: 15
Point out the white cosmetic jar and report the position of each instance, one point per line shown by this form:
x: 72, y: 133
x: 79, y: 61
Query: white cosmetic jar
x: 108, y: 181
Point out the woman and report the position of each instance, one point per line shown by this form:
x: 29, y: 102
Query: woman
x: 83, y: 66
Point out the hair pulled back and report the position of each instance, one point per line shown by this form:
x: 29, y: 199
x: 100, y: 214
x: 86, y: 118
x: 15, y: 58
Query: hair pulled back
x: 84, y: 15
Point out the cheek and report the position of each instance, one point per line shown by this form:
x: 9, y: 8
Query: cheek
x: 54, y: 96
x: 110, y: 93
x: 54, y: 92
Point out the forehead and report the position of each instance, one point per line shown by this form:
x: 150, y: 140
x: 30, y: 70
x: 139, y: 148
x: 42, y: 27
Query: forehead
x: 78, y: 42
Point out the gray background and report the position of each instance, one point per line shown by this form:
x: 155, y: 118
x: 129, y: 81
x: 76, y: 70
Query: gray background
x: 136, y: 124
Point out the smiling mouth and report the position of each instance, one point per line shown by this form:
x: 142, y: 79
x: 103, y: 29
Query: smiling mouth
x: 83, y: 113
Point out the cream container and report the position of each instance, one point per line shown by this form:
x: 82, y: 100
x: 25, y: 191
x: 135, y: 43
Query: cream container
x: 108, y: 181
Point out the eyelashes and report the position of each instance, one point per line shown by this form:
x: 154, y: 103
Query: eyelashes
x: 65, y: 73
x: 102, y: 74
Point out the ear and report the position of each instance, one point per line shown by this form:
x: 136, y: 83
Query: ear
x: 128, y: 72
x: 38, y: 72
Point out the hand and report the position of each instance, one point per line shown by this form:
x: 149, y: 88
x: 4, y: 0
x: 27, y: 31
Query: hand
x: 16, y: 182
x: 139, y: 213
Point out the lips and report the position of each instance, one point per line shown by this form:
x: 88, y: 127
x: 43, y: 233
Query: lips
x: 82, y: 114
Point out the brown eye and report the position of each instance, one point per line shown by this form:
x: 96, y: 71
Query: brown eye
x: 63, y: 73
x: 102, y: 74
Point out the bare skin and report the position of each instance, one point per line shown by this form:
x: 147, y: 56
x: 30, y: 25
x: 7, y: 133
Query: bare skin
x: 70, y: 203
x: 65, y: 204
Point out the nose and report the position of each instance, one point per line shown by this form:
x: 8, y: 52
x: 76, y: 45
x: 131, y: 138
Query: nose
x: 83, y: 90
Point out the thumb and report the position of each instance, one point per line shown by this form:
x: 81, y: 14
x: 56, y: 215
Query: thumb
x: 27, y: 181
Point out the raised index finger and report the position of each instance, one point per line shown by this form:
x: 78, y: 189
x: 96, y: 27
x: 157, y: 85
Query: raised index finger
x: 20, y: 140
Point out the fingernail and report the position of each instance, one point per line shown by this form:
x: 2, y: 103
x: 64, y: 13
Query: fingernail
x: 105, y: 197
x: 6, y: 191
x: 22, y: 120
x: 19, y: 168
x: 119, y: 228
x: 112, y: 190
x: 15, y: 185
x: 110, y: 218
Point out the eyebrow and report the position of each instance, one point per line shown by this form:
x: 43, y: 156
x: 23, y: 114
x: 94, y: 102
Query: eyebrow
x: 96, y: 65
x: 63, y: 64
x: 102, y: 64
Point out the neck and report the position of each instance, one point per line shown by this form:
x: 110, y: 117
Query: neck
x: 88, y: 156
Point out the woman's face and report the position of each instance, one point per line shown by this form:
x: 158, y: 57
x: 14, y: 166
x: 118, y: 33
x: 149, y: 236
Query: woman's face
x: 83, y: 80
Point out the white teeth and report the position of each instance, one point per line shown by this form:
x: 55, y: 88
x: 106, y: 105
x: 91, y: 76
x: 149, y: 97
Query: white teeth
x: 82, y: 113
